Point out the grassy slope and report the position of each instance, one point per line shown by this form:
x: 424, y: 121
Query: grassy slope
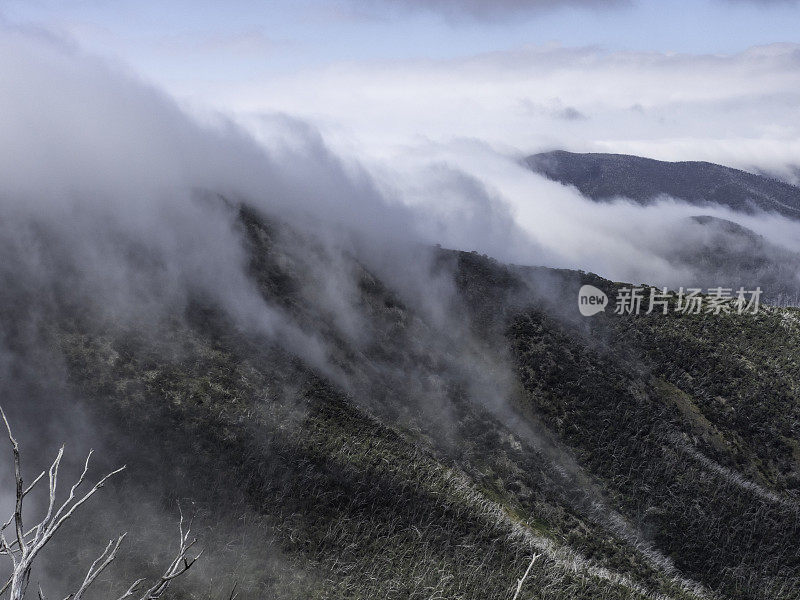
x: 690, y: 423
x: 360, y: 494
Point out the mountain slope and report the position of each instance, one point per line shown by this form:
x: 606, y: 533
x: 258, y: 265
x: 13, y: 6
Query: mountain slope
x: 724, y: 251
x: 608, y: 176
x: 432, y: 453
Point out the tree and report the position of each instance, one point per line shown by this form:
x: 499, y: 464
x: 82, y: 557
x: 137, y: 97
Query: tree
x: 26, y: 545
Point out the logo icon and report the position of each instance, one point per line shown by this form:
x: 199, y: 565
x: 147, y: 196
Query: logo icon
x: 591, y: 300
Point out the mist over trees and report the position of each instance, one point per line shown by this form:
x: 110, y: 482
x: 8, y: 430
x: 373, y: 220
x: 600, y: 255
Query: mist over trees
x: 369, y: 378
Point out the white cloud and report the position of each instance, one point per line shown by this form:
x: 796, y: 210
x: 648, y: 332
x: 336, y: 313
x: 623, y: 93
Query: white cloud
x: 448, y: 134
x: 739, y: 109
x: 500, y: 9
x: 489, y: 9
x: 99, y: 156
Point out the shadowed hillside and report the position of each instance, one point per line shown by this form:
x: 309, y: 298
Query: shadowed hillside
x: 609, y: 176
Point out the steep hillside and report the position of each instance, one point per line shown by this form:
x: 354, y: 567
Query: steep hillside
x: 425, y: 451
x: 722, y: 251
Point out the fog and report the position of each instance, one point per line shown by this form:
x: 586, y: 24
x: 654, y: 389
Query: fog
x: 118, y: 204
x: 114, y: 199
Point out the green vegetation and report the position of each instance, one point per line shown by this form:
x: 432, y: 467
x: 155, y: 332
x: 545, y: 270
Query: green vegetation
x: 643, y: 457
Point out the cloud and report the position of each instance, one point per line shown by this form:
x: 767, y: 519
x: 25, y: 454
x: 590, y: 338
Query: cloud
x: 446, y: 136
x: 765, y: 2
x: 571, y: 114
x: 503, y: 9
x: 736, y: 109
x: 108, y: 191
x: 397, y: 155
x: 110, y: 199
x: 489, y: 9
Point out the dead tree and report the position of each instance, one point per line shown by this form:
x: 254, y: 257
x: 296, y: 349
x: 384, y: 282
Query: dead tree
x: 521, y: 582
x: 26, y: 545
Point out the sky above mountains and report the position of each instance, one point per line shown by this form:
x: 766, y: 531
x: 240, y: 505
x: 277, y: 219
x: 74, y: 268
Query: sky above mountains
x: 167, y: 37
x: 704, y: 79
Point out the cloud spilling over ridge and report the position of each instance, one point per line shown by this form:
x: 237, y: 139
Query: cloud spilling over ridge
x: 621, y: 240
x: 112, y: 168
x: 80, y: 131
x: 114, y: 176
x: 425, y: 128
x: 113, y: 200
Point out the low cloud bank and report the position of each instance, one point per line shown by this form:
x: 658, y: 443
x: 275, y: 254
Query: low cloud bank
x: 122, y: 182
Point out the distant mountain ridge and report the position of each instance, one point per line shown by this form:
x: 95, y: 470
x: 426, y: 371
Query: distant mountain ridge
x: 607, y: 176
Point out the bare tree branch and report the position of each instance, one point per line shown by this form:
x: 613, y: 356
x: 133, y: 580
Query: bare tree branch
x: 525, y: 576
x: 179, y: 565
x: 25, y: 548
x: 98, y: 566
x: 20, y: 491
x: 131, y: 590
